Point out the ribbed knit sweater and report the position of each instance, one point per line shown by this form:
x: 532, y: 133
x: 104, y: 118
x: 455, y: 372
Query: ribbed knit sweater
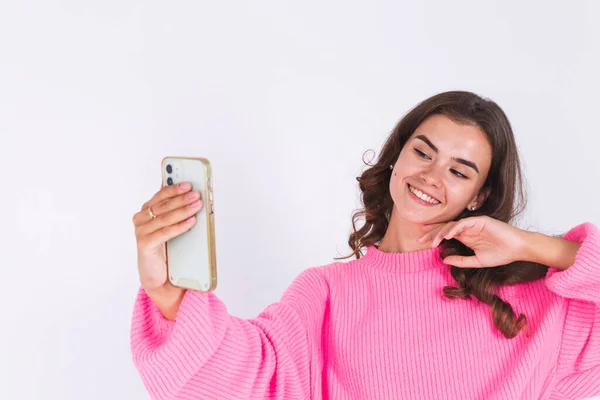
x: 379, y: 328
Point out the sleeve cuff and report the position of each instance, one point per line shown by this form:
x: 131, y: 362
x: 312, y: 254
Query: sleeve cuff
x: 582, y: 280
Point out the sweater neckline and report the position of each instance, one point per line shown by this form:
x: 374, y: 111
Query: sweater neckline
x: 411, y: 261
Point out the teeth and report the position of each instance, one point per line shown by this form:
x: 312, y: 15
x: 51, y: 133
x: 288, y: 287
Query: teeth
x: 423, y: 196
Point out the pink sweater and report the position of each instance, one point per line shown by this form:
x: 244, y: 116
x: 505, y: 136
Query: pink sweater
x: 378, y: 328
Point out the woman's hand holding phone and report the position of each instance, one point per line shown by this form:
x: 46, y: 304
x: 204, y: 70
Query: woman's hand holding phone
x: 169, y: 213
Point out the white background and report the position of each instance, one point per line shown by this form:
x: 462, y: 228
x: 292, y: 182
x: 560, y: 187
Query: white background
x: 284, y: 98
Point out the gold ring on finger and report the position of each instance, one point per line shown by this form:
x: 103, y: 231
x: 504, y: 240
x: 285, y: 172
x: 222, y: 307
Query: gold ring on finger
x: 152, y: 216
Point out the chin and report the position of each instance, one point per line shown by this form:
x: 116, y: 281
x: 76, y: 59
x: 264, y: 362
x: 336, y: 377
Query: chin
x: 417, y: 217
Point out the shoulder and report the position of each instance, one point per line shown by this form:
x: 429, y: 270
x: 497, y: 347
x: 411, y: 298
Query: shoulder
x: 323, y: 280
x: 326, y: 274
x: 334, y: 271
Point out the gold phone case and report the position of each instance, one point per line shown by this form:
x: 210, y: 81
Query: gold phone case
x: 191, y: 256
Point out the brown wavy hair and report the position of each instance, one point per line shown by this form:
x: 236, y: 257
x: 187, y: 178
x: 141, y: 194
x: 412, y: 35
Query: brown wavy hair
x: 506, y: 201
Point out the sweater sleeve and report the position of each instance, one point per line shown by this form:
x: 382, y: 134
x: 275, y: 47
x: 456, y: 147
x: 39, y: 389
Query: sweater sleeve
x: 209, y: 354
x: 578, y: 369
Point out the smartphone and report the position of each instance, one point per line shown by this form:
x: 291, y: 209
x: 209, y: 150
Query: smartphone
x: 191, y: 256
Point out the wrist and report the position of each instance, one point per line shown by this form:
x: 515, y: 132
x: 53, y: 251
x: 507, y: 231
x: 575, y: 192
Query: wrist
x: 528, y: 248
x: 550, y: 251
x: 167, y: 298
x: 159, y: 290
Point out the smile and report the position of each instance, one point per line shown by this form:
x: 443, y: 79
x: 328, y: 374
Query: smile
x: 423, y: 196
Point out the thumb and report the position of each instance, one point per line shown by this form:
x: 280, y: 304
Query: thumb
x: 463, y: 262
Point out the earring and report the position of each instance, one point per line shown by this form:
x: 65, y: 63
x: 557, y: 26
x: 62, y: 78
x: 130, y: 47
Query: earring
x: 391, y: 166
x: 473, y: 208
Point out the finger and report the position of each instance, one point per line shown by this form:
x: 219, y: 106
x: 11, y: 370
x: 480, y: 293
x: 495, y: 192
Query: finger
x: 172, y: 217
x: 462, y: 226
x: 443, y: 232
x: 430, y: 227
x: 173, y: 203
x: 165, y: 195
x: 141, y: 217
x: 456, y: 229
x: 423, y: 238
x: 166, y: 233
x: 453, y: 232
x: 167, y: 192
x: 429, y: 235
x: 463, y: 262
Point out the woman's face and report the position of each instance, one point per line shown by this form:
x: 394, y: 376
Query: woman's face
x: 440, y: 171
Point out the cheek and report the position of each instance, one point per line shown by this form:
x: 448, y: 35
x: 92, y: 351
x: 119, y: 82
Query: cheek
x: 458, y: 194
x: 396, y: 182
x: 393, y: 185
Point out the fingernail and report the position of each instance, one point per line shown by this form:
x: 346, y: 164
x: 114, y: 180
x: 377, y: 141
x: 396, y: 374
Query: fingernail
x: 184, y: 185
x: 192, y: 195
x: 196, y: 203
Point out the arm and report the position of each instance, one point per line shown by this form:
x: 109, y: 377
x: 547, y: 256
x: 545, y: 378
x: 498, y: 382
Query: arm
x: 550, y: 251
x: 207, y: 353
x: 167, y: 300
x: 575, y: 275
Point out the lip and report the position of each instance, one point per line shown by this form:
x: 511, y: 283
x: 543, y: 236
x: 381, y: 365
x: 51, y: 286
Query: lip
x: 423, y: 191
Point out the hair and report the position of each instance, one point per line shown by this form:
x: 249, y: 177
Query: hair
x: 506, y: 201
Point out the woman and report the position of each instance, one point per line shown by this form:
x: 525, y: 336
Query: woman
x: 392, y: 324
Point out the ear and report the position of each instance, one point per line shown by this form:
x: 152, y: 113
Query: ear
x: 484, y: 193
x: 480, y: 198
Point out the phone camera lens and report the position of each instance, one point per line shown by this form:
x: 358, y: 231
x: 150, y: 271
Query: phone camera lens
x: 169, y: 181
x: 169, y: 168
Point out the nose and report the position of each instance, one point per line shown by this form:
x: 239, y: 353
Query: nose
x: 431, y: 176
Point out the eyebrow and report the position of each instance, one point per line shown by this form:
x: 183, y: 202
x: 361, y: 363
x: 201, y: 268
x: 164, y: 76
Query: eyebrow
x: 458, y: 160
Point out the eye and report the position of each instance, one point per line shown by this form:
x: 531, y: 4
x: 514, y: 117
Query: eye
x: 455, y: 172
x: 421, y: 154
